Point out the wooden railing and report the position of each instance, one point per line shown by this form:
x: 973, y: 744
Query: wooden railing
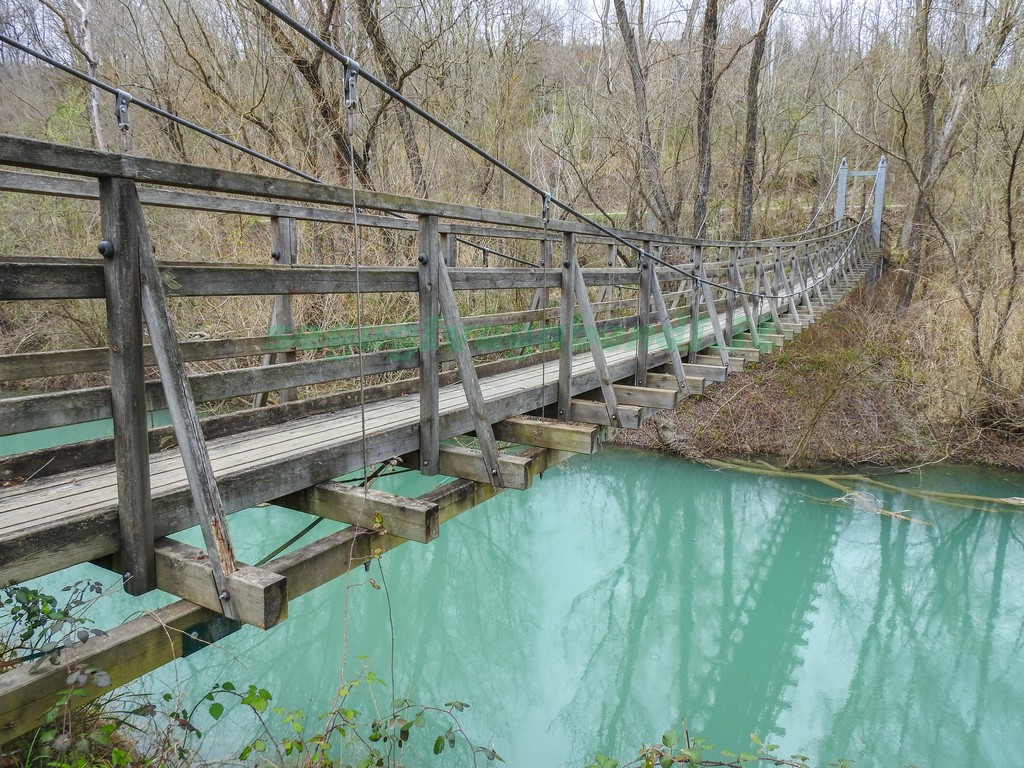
x: 550, y: 290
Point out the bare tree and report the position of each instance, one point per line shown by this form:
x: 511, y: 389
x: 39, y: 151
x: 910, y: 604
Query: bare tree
x: 705, y: 101
x: 753, y: 104
x: 947, y: 92
x: 650, y: 166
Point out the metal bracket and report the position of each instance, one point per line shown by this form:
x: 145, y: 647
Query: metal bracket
x: 351, y: 79
x: 545, y: 207
x: 121, y: 102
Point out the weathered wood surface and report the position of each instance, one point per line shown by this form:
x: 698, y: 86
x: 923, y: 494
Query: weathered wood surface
x: 122, y: 270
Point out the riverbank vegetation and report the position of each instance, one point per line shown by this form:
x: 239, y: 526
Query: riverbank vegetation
x: 860, y: 386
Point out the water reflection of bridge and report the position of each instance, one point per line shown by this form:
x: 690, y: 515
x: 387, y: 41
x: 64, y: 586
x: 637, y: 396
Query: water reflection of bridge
x: 490, y: 316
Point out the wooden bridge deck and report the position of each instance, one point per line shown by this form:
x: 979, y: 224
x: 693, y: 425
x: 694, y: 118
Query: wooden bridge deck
x: 59, y: 521
x: 606, y: 363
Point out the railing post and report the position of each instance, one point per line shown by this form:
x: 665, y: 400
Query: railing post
x: 844, y: 171
x: 643, y: 320
x: 565, y: 336
x: 284, y: 249
x: 122, y: 281
x: 429, y: 247
x: 730, y: 295
x: 696, y: 262
x: 876, y: 214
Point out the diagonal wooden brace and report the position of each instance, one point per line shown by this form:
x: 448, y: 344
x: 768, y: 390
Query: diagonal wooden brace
x: 467, y: 372
x: 196, y: 459
x: 590, y: 329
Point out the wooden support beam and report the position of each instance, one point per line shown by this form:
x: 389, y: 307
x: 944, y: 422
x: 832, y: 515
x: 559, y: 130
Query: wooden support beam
x: 742, y: 355
x: 469, y: 464
x: 594, y: 412
x: 735, y: 361
x: 696, y: 385
x: 367, y: 508
x: 707, y: 372
x: 664, y: 381
x: 284, y: 250
x: 546, y: 433
x: 258, y: 596
x: 568, y: 303
x: 648, y: 397
x: 457, y: 497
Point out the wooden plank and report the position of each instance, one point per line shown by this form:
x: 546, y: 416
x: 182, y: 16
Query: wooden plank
x: 121, y: 248
x: 125, y: 652
x: 259, y: 596
x: 470, y: 384
x: 367, y: 508
x: 201, y: 480
x: 546, y: 433
x: 430, y: 309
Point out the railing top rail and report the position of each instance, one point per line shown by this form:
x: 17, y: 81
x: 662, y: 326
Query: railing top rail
x: 317, y: 201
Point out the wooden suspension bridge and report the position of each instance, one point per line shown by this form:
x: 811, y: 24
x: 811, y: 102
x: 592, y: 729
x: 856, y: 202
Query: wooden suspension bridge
x: 509, y: 364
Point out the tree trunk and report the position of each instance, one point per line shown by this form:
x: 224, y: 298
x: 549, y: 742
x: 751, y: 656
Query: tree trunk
x: 753, y: 103
x: 705, y: 100
x: 937, y: 146
x: 369, y: 16
x: 649, y: 162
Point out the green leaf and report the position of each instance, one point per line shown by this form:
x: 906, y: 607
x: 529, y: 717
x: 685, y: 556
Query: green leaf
x: 228, y: 685
x: 754, y: 738
x: 666, y: 762
x: 670, y: 739
x: 216, y: 710
x: 259, y: 745
x: 439, y: 745
x: 746, y: 757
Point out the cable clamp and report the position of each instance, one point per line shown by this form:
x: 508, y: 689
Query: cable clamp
x: 351, y: 78
x: 121, y: 102
x: 545, y: 207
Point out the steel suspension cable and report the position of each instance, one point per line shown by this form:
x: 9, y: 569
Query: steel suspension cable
x: 129, y: 99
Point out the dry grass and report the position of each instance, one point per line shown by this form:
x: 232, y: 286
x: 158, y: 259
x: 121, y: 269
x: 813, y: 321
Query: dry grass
x: 857, y: 387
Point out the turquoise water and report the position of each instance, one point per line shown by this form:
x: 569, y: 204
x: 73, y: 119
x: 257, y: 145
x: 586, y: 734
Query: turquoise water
x: 626, y: 592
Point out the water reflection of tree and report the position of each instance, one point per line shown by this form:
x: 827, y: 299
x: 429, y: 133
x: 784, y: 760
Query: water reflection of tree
x: 924, y: 666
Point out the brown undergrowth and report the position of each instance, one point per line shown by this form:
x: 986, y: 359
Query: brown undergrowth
x: 860, y: 386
